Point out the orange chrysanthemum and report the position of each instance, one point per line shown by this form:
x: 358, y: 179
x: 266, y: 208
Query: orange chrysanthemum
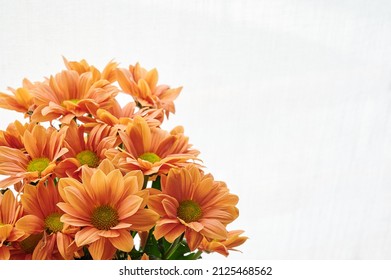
x: 43, y: 147
x: 142, y: 85
x: 151, y: 149
x: 222, y: 246
x: 194, y: 204
x: 70, y: 94
x: 21, y: 101
x: 108, y: 73
x: 42, y: 219
x: 106, y: 205
x: 85, y: 149
x: 10, y: 211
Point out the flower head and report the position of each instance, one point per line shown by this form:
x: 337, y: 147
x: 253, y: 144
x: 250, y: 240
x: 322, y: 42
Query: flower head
x: 194, y: 204
x: 142, y: 85
x: 69, y: 94
x: 106, y: 205
x: 42, y: 149
x: 151, y: 149
x: 42, y: 219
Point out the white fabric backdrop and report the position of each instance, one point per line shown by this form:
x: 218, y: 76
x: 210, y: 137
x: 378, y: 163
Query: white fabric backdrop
x: 288, y: 101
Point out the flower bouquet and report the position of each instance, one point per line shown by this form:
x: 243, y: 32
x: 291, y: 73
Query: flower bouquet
x: 85, y: 178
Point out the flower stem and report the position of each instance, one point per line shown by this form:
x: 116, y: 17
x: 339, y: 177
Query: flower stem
x: 173, y: 247
x: 197, y: 255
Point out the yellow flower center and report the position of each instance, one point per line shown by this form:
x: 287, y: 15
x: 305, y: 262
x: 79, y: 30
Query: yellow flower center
x: 28, y: 245
x: 74, y: 101
x: 189, y: 211
x: 53, y: 223
x: 151, y: 157
x: 88, y: 157
x: 104, y: 217
x: 38, y: 164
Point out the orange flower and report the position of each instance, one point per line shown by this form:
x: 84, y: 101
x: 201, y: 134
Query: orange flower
x: 142, y: 85
x: 70, y: 94
x: 43, y: 148
x: 43, y: 219
x: 22, y: 101
x: 151, y: 149
x: 84, y: 150
x: 109, y: 72
x: 194, y: 204
x: 222, y: 246
x: 106, y: 205
x: 10, y: 211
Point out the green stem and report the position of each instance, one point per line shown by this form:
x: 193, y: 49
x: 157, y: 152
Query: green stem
x: 146, y: 178
x: 173, y: 247
x: 197, y: 255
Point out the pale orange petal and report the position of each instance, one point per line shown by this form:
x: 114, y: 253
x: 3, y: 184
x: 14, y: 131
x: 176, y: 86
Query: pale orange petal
x: 193, y: 239
x: 123, y: 242
x: 86, y: 236
x: 30, y: 224
x: 143, y: 220
x: 102, y: 249
x: 214, y: 229
x: 4, y: 253
x: 129, y: 206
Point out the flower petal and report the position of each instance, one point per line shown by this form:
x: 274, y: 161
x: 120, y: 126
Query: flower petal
x: 123, y: 242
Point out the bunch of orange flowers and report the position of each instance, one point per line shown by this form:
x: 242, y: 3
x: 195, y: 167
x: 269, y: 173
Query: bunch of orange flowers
x: 85, y: 178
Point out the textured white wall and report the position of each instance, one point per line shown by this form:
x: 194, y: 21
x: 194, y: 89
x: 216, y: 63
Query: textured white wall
x: 288, y: 101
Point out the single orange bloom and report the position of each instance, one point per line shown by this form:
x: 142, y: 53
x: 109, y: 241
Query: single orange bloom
x: 42, y: 218
x: 194, y: 204
x: 106, y: 205
x: 108, y: 73
x: 10, y: 211
x: 85, y: 148
x: 151, y: 149
x: 70, y: 94
x: 43, y: 147
x: 21, y: 101
x: 222, y: 246
x: 142, y: 86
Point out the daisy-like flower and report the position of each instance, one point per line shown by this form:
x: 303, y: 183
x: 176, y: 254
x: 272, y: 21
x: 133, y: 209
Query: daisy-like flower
x: 43, y: 147
x: 10, y: 211
x: 85, y: 149
x: 70, y: 94
x: 106, y: 205
x: 82, y: 66
x: 151, y: 149
x: 42, y: 219
x: 142, y: 86
x: 21, y: 100
x: 193, y: 204
x: 222, y: 246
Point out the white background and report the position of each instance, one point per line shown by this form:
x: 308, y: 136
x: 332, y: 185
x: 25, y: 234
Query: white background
x: 288, y: 101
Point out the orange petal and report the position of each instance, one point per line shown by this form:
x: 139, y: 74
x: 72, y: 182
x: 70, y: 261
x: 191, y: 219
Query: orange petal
x: 214, y: 229
x: 129, y: 206
x: 86, y: 236
x: 143, y: 220
x: 4, y: 253
x: 170, y: 206
x: 30, y: 224
x: 102, y: 249
x: 123, y: 242
x: 193, y: 238
x: 5, y: 231
x: 7, y: 208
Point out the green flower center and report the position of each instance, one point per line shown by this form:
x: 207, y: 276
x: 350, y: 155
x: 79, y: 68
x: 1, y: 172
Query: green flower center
x: 74, y: 101
x: 151, y: 157
x: 53, y: 223
x: 88, y: 157
x: 28, y: 245
x: 38, y: 164
x: 104, y: 217
x: 189, y: 211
